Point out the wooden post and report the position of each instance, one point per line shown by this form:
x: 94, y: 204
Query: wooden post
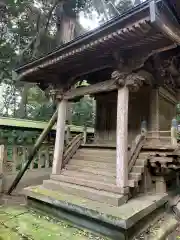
x: 14, y: 158
x: 174, y: 132
x: 85, y: 135
x: 60, y: 133
x: 122, y: 138
x: 47, y: 158
x: 69, y: 113
x: 144, y: 128
x: 146, y: 183
x: 68, y: 135
x: 1, y: 167
x: 154, y: 113
x: 1, y: 158
x: 160, y: 184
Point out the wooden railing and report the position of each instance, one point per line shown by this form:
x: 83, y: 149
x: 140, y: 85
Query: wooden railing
x: 159, y: 134
x: 71, y: 148
x: 135, y: 150
x: 15, y: 157
x: 170, y: 135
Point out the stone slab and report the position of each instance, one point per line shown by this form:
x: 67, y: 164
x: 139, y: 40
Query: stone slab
x: 124, y: 216
x: 86, y: 192
x: 162, y: 228
x: 79, y: 220
x: 91, y: 183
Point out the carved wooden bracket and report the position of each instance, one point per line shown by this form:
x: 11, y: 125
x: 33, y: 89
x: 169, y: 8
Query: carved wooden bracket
x: 134, y: 81
x: 131, y: 80
x: 119, y: 78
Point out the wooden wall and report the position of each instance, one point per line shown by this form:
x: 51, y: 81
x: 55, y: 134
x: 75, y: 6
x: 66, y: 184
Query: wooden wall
x: 106, y: 112
x: 167, y: 109
x: 139, y: 108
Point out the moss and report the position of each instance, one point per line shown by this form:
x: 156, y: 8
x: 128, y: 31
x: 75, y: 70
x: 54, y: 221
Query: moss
x: 22, y: 223
x: 75, y: 201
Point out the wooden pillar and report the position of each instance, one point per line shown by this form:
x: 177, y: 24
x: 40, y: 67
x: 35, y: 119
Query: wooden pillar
x: 2, y: 149
x: 60, y: 133
x: 160, y: 184
x: 68, y: 135
x: 174, y: 126
x: 154, y: 113
x: 69, y: 113
x: 122, y: 138
x: 85, y: 135
x: 144, y: 128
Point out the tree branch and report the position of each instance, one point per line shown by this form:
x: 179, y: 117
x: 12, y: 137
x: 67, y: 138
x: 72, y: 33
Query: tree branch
x: 41, y: 32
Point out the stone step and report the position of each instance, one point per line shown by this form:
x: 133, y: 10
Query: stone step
x: 141, y: 162
x: 97, y: 152
x: 135, y: 176
x: 91, y: 183
x: 86, y: 192
x: 145, y: 153
x: 87, y: 169
x: 110, y: 177
x: 95, y: 158
x: 89, y: 175
x: 137, y: 169
x: 97, y: 165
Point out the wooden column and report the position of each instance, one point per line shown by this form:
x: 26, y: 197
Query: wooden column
x: 69, y: 113
x: 2, y: 149
x: 174, y: 129
x: 154, y: 113
x: 160, y: 184
x: 60, y: 133
x: 122, y: 138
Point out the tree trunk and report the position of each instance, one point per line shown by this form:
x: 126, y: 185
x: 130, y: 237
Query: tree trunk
x: 65, y: 29
x: 23, y: 103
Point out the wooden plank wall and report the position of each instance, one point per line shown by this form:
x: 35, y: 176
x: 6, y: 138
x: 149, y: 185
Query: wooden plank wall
x: 167, y: 109
x: 106, y: 112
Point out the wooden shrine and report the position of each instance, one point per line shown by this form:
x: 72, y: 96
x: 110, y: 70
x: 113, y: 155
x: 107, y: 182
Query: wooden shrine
x: 132, y: 66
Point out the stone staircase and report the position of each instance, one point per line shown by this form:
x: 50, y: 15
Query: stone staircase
x: 91, y: 174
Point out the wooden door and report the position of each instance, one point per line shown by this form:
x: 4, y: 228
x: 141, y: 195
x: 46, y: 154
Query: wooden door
x: 106, y: 112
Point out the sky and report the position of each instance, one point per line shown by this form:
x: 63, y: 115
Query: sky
x: 87, y: 23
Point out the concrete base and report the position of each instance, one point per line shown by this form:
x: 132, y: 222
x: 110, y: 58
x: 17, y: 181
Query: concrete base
x: 115, y: 222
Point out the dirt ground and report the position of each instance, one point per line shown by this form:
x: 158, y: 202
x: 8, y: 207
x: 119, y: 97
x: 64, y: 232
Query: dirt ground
x: 13, y: 200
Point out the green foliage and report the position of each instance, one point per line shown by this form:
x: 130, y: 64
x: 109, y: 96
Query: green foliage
x: 29, y: 30
x: 83, y: 112
x: 18, y: 137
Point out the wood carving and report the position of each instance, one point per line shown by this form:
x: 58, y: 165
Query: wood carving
x: 131, y: 80
x: 134, y: 81
x: 119, y: 78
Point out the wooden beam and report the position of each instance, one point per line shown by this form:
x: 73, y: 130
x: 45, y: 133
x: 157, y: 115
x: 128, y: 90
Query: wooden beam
x: 122, y: 138
x: 60, y: 133
x: 105, y: 86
